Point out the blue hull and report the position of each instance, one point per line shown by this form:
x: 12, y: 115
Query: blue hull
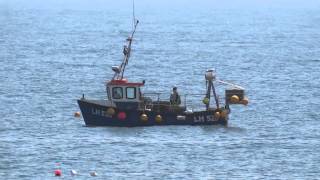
x: 95, y: 114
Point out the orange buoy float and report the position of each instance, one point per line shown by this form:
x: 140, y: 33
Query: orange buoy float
x: 57, y: 172
x: 245, y: 101
x: 122, y: 115
x: 217, y: 115
x: 234, y: 99
x: 77, y: 114
x: 158, y: 119
x: 144, y: 117
x: 110, y: 111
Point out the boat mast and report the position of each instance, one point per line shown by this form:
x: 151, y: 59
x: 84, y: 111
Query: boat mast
x: 119, y: 71
x: 210, y: 77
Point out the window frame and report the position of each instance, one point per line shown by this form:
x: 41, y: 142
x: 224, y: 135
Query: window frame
x: 113, y: 92
x: 135, y: 92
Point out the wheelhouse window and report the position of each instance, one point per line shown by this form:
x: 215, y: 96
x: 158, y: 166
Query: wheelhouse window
x: 117, y: 93
x: 131, y: 92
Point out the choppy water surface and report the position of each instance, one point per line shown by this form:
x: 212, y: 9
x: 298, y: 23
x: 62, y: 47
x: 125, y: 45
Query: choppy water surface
x: 48, y: 58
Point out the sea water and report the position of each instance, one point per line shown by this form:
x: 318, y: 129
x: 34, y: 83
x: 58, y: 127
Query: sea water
x: 50, y: 57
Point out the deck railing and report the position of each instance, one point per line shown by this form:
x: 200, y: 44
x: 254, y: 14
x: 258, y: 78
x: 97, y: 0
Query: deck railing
x: 189, y: 101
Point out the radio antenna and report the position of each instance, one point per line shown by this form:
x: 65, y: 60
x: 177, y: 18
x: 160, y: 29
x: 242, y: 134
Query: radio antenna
x: 133, y: 15
x: 119, y: 70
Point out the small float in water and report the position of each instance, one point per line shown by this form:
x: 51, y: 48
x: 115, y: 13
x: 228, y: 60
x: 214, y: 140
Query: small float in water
x: 127, y: 106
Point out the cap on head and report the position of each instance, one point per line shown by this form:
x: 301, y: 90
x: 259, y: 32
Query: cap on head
x: 174, y: 88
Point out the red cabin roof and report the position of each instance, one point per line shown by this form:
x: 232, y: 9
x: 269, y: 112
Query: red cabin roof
x: 124, y: 82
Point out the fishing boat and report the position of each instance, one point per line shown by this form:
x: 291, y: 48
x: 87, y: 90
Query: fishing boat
x: 127, y: 106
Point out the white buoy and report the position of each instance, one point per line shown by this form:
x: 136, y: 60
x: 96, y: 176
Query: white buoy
x: 181, y: 118
x: 93, y: 173
x: 77, y: 114
x: 73, y: 172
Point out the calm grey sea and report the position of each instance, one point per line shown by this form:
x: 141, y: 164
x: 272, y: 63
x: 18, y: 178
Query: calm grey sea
x: 48, y: 58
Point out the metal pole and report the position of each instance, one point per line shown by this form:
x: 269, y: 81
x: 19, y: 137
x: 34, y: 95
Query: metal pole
x: 215, y: 95
x: 208, y: 94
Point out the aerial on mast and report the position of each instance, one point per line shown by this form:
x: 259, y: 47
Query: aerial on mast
x: 119, y: 70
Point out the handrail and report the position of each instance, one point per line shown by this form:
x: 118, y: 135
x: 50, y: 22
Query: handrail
x: 155, y: 93
x: 187, y: 101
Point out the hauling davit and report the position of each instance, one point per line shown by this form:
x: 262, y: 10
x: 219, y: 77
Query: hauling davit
x: 127, y: 106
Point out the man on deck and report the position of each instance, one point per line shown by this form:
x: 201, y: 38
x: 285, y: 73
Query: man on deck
x: 175, y: 97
